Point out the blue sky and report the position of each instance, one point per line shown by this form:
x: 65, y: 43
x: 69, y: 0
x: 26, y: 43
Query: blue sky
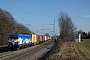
x: 35, y: 13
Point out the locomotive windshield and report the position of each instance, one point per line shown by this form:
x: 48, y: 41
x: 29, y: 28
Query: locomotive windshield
x: 13, y: 37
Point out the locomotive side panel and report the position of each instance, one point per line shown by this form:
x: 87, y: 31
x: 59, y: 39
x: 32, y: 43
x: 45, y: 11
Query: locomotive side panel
x: 18, y: 40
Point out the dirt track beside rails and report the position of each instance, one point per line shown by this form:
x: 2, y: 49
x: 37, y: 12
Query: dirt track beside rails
x: 49, y: 54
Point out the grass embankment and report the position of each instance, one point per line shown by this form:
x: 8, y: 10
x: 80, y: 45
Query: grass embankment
x: 79, y: 50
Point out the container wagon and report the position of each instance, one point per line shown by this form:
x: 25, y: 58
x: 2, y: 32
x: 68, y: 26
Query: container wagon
x: 41, y: 38
x: 37, y: 39
x: 45, y: 38
x: 33, y: 39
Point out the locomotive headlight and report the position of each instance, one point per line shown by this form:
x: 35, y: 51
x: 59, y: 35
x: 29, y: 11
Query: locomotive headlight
x: 16, y: 40
x: 19, y: 42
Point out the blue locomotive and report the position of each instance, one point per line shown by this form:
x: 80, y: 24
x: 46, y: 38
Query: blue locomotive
x: 19, y: 40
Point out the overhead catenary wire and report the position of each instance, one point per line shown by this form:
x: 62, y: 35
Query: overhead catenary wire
x: 32, y: 22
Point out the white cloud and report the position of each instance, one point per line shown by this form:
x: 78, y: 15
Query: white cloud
x: 87, y: 16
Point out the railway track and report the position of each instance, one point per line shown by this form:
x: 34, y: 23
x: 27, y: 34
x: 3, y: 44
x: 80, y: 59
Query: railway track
x: 28, y: 55
x: 27, y: 52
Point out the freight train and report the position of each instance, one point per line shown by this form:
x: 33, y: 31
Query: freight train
x: 22, y: 40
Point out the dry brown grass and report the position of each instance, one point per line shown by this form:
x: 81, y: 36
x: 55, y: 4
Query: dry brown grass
x: 73, y: 51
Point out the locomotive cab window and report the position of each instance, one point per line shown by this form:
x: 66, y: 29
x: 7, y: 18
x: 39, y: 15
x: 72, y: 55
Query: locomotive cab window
x: 13, y: 37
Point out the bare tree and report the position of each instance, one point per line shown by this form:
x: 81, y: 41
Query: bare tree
x: 22, y: 29
x: 66, y: 27
x: 7, y: 24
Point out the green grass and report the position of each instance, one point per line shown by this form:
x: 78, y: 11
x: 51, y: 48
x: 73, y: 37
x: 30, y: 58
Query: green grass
x: 67, y: 49
x: 83, y: 46
x: 68, y: 44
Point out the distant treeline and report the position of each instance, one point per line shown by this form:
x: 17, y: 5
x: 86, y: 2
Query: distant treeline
x: 84, y: 35
x: 9, y: 25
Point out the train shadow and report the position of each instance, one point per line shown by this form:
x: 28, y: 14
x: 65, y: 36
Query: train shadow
x: 4, y: 49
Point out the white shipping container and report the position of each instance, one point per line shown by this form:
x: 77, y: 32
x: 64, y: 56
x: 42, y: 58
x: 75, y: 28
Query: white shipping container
x: 45, y: 38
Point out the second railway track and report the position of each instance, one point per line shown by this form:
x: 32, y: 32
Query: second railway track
x: 27, y: 53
